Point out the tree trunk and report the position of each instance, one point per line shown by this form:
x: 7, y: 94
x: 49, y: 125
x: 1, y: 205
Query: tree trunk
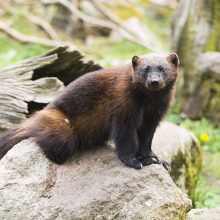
x: 196, y: 38
x: 29, y: 85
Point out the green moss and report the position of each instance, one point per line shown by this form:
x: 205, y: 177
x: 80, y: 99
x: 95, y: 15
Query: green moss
x: 186, y: 178
x: 207, y: 192
x: 183, y: 213
x: 214, y: 38
x: 187, y: 57
x: 210, y: 90
x: 193, y: 167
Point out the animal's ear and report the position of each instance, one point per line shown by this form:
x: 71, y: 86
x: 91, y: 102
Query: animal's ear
x: 135, y: 61
x: 173, y: 58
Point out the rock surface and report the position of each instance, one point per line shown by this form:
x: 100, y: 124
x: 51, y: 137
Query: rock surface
x: 95, y: 185
x: 204, y: 214
x: 182, y: 150
x: 209, y: 65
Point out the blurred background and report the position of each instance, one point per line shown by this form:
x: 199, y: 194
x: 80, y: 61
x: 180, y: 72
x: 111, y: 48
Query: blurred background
x: 111, y: 32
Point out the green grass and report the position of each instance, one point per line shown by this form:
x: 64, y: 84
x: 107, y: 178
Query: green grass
x: 108, y: 52
x: 208, y: 186
x: 204, y: 126
x: 198, y: 127
x: 12, y: 51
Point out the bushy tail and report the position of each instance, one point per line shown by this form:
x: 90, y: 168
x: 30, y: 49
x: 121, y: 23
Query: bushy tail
x: 8, y: 139
x: 50, y: 129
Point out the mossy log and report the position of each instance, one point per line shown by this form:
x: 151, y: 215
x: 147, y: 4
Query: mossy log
x: 29, y: 85
x: 196, y: 38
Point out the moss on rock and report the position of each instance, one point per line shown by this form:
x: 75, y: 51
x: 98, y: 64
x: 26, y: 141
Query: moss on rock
x: 186, y: 167
x: 214, y: 38
x: 184, y: 153
x: 200, y: 34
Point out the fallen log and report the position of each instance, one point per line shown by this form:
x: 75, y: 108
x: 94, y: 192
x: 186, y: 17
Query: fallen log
x: 30, y: 84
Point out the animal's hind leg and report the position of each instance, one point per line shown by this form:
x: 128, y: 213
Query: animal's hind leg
x: 56, y: 148
x: 53, y: 132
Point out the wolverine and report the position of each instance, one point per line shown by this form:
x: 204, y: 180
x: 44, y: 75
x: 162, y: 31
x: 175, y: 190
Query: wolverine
x: 124, y: 104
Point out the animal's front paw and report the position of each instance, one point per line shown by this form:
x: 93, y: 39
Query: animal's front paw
x: 131, y: 162
x: 145, y: 161
x: 166, y: 165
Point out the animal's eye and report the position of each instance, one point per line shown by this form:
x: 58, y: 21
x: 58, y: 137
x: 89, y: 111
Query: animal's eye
x: 144, y: 72
x: 147, y: 69
x: 160, y: 68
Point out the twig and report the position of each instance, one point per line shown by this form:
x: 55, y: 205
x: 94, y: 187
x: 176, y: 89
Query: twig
x: 144, y: 41
x: 31, y: 39
x: 109, y: 15
x: 114, y: 24
x: 77, y: 13
x: 43, y: 24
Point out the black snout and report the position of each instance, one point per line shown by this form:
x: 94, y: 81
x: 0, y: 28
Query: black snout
x: 154, y: 82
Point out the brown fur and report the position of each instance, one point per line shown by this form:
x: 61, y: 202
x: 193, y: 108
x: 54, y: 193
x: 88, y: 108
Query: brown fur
x: 124, y: 103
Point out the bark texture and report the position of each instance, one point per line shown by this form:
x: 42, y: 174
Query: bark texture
x: 196, y: 38
x: 29, y: 85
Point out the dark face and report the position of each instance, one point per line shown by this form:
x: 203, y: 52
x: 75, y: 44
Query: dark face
x: 155, y: 71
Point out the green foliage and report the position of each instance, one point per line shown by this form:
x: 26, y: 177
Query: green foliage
x: 207, y: 193
x: 12, y: 51
x: 161, y: 27
x: 203, y: 126
x: 105, y: 51
x: 213, y: 41
x: 208, y: 187
x: 125, y: 10
x: 199, y: 128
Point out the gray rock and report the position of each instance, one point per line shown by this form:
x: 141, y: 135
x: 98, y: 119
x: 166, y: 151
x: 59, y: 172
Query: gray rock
x: 182, y: 150
x: 209, y: 65
x: 95, y: 185
x: 204, y: 214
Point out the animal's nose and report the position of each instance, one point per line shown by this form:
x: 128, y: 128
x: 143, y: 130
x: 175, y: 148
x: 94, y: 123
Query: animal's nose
x: 154, y: 82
